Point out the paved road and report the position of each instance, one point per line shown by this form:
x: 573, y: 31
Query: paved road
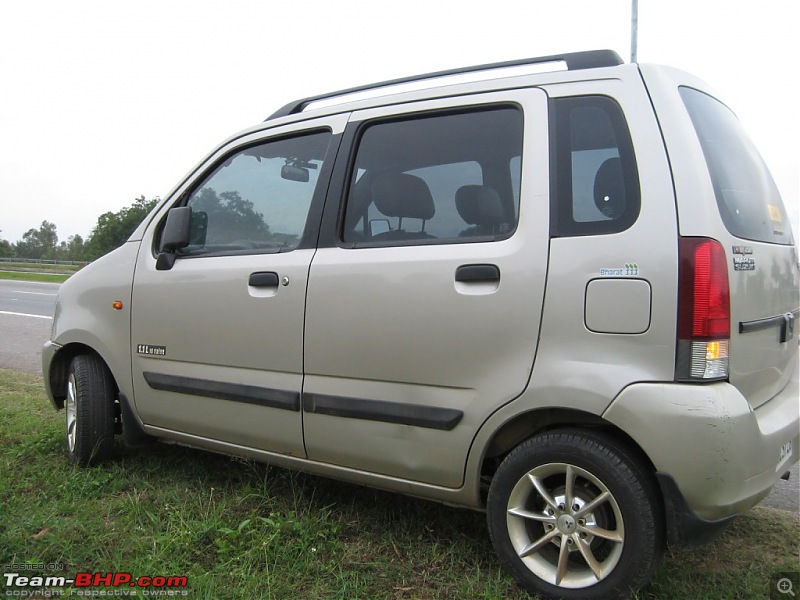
x: 25, y: 317
x: 26, y: 310
x: 28, y: 298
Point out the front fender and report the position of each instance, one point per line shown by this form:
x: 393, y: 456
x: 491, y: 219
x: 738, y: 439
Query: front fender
x: 87, y: 320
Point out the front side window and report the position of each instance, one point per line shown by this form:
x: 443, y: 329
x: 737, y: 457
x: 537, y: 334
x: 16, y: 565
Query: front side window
x: 439, y: 178
x: 258, y: 199
x: 595, y: 185
x: 748, y: 199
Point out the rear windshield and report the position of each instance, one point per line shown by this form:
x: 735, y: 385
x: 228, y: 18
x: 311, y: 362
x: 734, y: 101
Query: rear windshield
x: 748, y: 199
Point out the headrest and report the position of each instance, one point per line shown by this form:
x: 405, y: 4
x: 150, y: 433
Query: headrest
x: 479, y: 205
x: 403, y: 195
x: 609, y: 188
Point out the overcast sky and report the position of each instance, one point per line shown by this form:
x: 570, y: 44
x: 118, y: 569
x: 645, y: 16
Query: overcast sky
x: 103, y: 101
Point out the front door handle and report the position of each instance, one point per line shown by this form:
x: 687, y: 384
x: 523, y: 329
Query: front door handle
x: 263, y: 279
x: 477, y: 273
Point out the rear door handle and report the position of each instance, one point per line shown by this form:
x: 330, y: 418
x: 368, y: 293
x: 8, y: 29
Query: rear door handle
x: 477, y: 273
x: 263, y: 279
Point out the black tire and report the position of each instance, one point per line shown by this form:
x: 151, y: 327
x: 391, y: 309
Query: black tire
x: 614, y: 517
x: 90, y: 411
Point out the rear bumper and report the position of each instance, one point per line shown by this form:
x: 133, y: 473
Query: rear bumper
x: 722, y: 455
x: 684, y: 528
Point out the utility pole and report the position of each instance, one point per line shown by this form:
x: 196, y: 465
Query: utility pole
x: 634, y: 29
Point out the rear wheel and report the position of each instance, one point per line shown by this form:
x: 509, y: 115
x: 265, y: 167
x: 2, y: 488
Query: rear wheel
x: 89, y: 411
x: 574, y: 515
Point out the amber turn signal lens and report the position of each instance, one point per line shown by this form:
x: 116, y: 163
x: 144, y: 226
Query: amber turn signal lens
x: 117, y: 305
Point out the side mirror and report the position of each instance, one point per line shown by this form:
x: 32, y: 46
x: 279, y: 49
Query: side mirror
x: 176, y: 235
x: 177, y: 230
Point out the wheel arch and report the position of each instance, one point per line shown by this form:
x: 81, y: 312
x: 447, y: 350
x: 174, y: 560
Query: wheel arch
x: 126, y: 420
x: 525, y: 425
x: 59, y: 370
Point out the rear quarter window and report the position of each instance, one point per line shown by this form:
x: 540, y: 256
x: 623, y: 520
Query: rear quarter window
x: 748, y: 199
x: 595, y: 182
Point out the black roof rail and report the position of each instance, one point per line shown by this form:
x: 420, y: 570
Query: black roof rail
x: 574, y: 60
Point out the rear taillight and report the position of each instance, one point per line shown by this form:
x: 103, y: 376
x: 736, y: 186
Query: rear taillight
x: 704, y: 311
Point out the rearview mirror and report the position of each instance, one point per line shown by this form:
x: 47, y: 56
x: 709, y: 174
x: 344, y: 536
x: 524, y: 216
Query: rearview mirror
x: 293, y: 173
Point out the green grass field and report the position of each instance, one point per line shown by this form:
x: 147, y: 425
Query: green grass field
x: 39, y: 266
x: 37, y: 271
x: 238, y: 529
x: 26, y: 276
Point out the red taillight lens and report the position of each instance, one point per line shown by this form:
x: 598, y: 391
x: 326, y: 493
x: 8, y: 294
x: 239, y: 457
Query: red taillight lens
x: 704, y: 310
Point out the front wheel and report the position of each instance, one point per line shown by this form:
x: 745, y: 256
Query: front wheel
x: 89, y: 411
x: 574, y: 515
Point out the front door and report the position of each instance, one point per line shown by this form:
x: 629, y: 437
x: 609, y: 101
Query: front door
x: 218, y: 338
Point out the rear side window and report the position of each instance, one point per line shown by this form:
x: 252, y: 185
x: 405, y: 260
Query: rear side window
x: 436, y: 178
x: 748, y: 199
x: 595, y: 185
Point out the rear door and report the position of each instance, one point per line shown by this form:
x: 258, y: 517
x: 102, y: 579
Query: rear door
x: 744, y: 212
x: 423, y: 310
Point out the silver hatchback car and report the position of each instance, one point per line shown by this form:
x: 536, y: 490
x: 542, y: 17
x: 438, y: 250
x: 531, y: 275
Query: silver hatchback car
x: 566, y: 298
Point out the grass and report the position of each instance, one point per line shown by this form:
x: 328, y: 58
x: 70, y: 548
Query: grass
x: 43, y: 267
x: 50, y: 273
x: 238, y: 529
x: 25, y: 276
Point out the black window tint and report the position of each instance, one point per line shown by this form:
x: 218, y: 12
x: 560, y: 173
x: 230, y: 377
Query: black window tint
x: 258, y: 199
x: 440, y: 178
x: 515, y: 165
x: 595, y: 180
x: 748, y: 199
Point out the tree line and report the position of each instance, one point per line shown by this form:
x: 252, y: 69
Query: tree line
x: 110, y: 232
